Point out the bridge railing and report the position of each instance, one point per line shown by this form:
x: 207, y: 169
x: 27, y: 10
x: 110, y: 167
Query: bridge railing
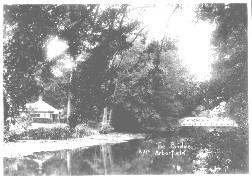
x: 198, y: 121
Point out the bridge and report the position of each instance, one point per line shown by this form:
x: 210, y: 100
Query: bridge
x: 205, y: 121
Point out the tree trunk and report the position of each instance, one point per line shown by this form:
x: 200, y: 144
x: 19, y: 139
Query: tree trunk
x: 68, y: 105
x: 69, y: 110
x: 111, y: 110
x: 105, y: 115
x: 110, y: 115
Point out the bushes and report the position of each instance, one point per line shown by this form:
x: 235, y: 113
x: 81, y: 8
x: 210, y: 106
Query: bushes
x: 40, y: 133
x: 56, y: 133
x: 10, y: 136
x: 238, y: 110
x: 21, y: 123
x: 18, y: 126
x: 53, y: 134
x: 225, y: 146
x: 82, y: 130
x: 105, y: 128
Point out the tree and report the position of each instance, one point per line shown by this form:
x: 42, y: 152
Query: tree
x: 149, y: 90
x: 94, y: 79
x: 100, y: 33
x: 25, y: 30
x: 230, y: 75
x: 75, y: 29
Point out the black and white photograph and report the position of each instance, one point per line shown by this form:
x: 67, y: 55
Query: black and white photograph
x: 125, y: 88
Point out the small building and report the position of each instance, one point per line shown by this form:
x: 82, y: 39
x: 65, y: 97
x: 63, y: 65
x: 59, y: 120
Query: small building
x: 42, y: 112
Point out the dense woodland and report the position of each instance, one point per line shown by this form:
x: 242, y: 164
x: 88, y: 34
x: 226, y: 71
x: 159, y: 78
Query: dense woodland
x: 119, y: 79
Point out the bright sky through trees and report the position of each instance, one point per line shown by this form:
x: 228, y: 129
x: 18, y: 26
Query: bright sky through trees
x: 193, y: 37
x: 55, y: 47
x: 195, y: 50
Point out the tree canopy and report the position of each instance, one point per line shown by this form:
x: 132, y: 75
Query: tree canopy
x: 114, y: 67
x: 230, y: 71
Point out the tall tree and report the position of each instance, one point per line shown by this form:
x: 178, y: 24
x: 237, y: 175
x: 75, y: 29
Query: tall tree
x: 25, y: 30
x: 27, y: 69
x: 150, y: 91
x: 101, y: 33
x: 230, y: 71
x: 230, y: 77
x: 94, y: 78
x: 76, y: 28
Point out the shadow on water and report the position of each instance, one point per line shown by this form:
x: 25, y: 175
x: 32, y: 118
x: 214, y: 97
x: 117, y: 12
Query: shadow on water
x: 184, y: 153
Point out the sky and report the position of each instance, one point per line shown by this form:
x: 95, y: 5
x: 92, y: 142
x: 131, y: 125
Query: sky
x: 56, y: 47
x: 193, y: 38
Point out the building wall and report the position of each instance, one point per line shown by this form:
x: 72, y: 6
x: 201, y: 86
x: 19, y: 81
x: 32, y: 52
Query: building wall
x: 41, y: 115
x: 45, y: 117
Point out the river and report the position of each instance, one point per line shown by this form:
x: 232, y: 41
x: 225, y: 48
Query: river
x: 210, y: 152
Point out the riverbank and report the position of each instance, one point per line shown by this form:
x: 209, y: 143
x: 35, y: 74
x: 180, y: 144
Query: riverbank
x: 22, y: 148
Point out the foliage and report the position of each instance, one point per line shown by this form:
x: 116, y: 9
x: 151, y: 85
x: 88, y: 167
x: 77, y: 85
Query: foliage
x: 27, y: 30
x: 105, y: 128
x: 93, y: 80
x: 24, y: 32
x: 55, y: 91
x: 149, y: 81
x: 56, y: 133
x: 146, y: 80
x: 219, y: 111
x: 237, y: 108
x: 42, y: 134
x: 87, y: 29
x: 230, y: 75
x: 22, y: 123
x: 227, y: 151
x: 82, y: 130
x: 6, y: 110
x: 228, y: 88
x: 73, y: 121
x: 16, y: 126
x: 9, y: 136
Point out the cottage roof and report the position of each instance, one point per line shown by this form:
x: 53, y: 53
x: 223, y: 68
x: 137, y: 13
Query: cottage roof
x: 41, y: 106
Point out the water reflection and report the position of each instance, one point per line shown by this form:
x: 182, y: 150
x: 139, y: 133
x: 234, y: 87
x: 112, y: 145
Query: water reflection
x: 169, y: 155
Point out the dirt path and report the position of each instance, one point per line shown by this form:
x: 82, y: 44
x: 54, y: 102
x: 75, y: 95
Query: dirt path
x: 27, y: 147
